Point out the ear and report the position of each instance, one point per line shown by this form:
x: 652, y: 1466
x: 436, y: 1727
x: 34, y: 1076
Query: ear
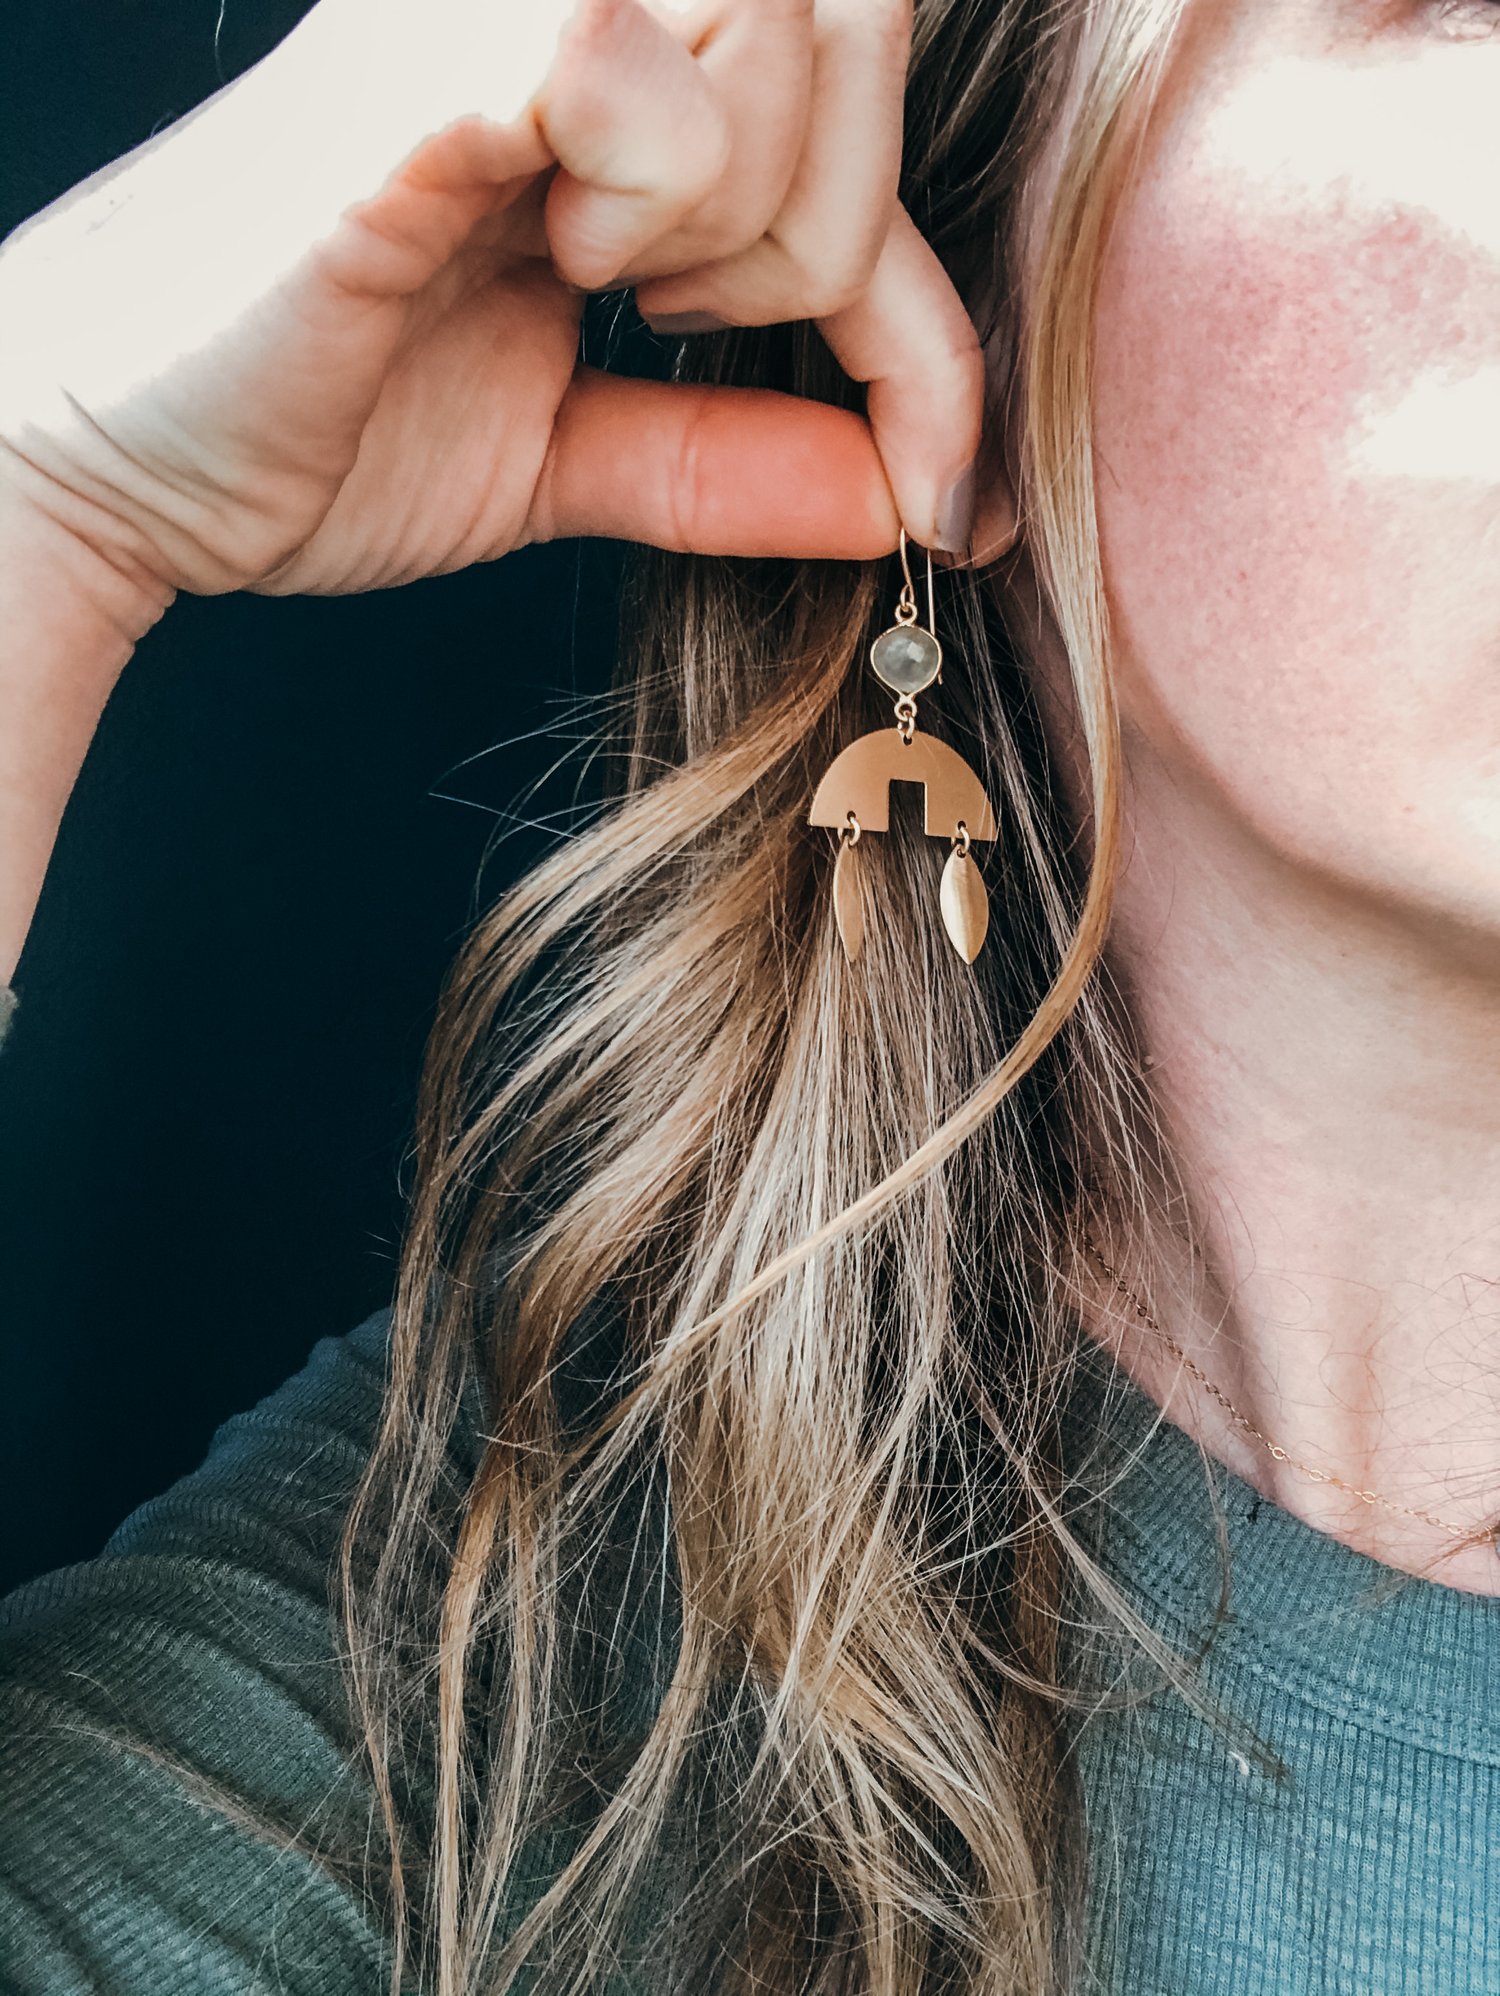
x: 997, y: 524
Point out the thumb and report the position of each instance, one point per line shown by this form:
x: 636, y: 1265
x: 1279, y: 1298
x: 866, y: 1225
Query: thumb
x: 707, y: 470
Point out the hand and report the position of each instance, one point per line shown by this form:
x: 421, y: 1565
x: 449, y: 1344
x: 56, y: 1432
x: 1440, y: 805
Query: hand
x: 321, y: 335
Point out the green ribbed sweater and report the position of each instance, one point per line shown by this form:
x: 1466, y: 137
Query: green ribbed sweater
x: 1345, y: 1845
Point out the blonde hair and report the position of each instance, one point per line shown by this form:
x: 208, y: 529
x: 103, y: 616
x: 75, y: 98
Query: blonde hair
x: 760, y: 1269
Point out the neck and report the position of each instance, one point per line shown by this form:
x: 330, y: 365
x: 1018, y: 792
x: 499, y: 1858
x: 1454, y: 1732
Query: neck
x: 1327, y: 1072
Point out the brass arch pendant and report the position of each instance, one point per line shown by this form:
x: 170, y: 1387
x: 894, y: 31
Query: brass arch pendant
x: 854, y: 796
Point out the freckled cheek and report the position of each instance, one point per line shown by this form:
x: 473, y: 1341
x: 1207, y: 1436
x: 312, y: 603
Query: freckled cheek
x: 1265, y: 590
x: 1213, y: 459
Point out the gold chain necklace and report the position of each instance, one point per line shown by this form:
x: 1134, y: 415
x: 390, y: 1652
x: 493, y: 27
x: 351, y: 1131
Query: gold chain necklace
x: 1243, y: 1422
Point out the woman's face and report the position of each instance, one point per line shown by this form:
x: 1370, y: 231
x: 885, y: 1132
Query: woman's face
x: 1298, y: 444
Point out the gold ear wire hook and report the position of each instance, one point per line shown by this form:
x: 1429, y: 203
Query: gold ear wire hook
x: 909, y: 589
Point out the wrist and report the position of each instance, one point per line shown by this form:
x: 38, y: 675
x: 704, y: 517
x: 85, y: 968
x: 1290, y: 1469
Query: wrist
x: 73, y: 605
x: 67, y: 562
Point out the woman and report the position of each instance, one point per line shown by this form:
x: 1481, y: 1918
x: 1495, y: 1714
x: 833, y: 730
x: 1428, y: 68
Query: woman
x: 759, y: 1557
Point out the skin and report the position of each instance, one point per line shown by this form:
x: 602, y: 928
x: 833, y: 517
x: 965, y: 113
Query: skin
x: 1298, y: 457
x: 1297, y: 398
x: 322, y: 334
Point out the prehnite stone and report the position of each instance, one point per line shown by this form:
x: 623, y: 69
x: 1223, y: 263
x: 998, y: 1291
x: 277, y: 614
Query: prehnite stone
x: 906, y: 659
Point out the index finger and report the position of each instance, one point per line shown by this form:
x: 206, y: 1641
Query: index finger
x: 909, y: 337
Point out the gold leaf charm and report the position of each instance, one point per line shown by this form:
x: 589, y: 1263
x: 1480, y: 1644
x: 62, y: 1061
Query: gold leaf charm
x: 849, y: 898
x: 964, y: 902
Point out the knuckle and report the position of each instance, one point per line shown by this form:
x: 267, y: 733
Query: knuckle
x: 830, y: 295
x: 825, y: 284
x: 736, y: 218
x: 702, y: 158
x: 686, y: 482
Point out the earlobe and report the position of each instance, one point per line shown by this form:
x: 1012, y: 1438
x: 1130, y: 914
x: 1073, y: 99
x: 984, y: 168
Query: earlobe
x: 997, y: 524
x: 996, y: 530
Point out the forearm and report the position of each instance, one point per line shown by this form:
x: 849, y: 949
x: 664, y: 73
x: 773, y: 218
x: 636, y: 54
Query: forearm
x: 72, y: 608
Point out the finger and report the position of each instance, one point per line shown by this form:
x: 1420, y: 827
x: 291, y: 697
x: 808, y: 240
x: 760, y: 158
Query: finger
x: 758, y: 60
x: 821, y: 248
x: 909, y: 337
x: 617, y: 100
x: 744, y: 471
x: 637, y: 133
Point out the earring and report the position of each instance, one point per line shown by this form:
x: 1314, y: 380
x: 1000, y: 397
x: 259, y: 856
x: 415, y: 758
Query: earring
x: 854, y: 796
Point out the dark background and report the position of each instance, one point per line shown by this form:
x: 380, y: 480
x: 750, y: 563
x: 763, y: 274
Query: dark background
x: 288, y: 816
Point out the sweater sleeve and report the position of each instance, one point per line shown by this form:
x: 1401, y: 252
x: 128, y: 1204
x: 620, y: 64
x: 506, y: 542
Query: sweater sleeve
x: 175, y: 1759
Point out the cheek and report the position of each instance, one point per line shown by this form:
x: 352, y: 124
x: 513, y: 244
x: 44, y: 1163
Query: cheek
x: 1297, y: 415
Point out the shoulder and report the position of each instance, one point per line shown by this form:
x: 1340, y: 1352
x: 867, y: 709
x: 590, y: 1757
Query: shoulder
x: 176, y: 1767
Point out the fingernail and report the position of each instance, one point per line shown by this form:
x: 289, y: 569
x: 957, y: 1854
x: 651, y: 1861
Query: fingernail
x: 955, y: 515
x: 684, y: 322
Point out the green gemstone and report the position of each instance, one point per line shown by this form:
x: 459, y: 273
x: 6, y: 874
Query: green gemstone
x: 906, y: 658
